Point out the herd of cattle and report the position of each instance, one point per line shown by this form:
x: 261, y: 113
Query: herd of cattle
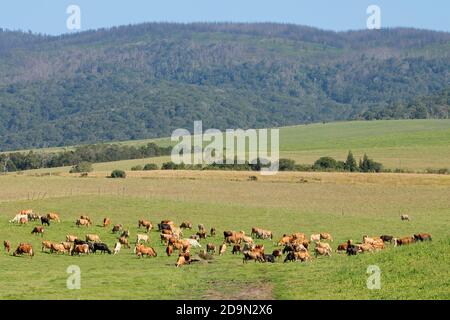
x: 295, y: 247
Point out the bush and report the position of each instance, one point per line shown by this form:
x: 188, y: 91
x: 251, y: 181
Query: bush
x: 368, y: 165
x: 118, y: 174
x: 286, y: 165
x: 137, y: 168
x: 82, y: 167
x: 150, y: 166
x: 325, y: 163
x: 303, y: 167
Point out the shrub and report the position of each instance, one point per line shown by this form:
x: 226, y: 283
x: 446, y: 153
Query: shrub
x: 286, y: 165
x: 368, y: 165
x: 325, y: 163
x: 82, y: 167
x: 350, y: 163
x: 118, y: 174
x: 137, y: 168
x: 150, y: 166
x: 303, y: 167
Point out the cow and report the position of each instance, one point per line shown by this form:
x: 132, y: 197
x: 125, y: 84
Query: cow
x: 106, y: 222
x: 102, y: 247
x: 422, y: 237
x: 324, y: 245
x: 24, y: 248
x: 92, y: 237
x: 405, y: 217
x: 343, y: 247
x: 201, y: 228
x: 71, y: 238
x: 222, y: 248
x: 212, y: 232
x: 352, y: 250
x: 46, y: 245
x: 247, y: 239
x: 236, y: 249
x: 33, y: 216
x: 141, y: 237
x: 53, y: 216
x: 124, y: 241
x: 38, y: 230
x: 277, y: 253
x: 18, y: 217
x: 387, y: 238
x: 186, y: 225
x: 67, y: 245
x: 404, y: 241
x: 117, y: 228
x: 165, y: 238
x: 315, y: 237
x: 365, y: 247
x: 269, y: 258
x: 211, y: 247
x: 83, y: 222
x: 201, y: 234
x: 80, y: 249
x: 142, y: 250
x: 227, y: 234
x: 169, y: 250
x: 183, y: 258
x: 321, y: 251
x: 285, y: 240
x: 253, y: 255
x: 57, y: 247
x: 125, y: 234
x: 86, y: 218
x: 117, y: 248
x: 326, y: 236
x: 7, y: 245
x: 145, y: 223
x: 23, y: 221
x: 45, y: 220
x: 290, y: 257
x: 377, y: 244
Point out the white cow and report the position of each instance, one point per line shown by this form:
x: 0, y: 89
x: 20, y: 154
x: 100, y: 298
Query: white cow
x: 117, y: 248
x: 194, y: 243
x: 18, y: 217
x: 141, y: 237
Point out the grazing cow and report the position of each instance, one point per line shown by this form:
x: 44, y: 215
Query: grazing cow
x: 404, y: 241
x: 53, y: 216
x: 57, y: 247
x: 212, y: 232
x: 201, y: 234
x: 67, y: 245
x: 71, y: 238
x: 321, y: 251
x: 303, y: 256
x: 222, y: 248
x: 45, y: 220
x: 352, y: 250
x: 195, y: 236
x: 377, y: 244
x: 405, y: 217
x: 144, y: 223
x: 422, y: 237
x: 211, y: 247
x: 117, y: 248
x: 80, y: 249
x: 24, y: 248
x: 38, y: 230
x: 83, y: 222
x: 117, y: 228
x: 227, y: 234
x: 285, y: 240
x: 343, y: 247
x: 93, y: 237
x: 186, y: 225
x: 290, y: 257
x: 102, y: 247
x: 201, y: 228
x: 365, y: 247
x: 124, y: 241
x: 277, y: 253
x: 247, y: 239
x: 33, y: 216
x: 106, y: 222
x: 387, y: 238
x: 236, y: 249
x: 183, y: 258
x: 232, y: 240
x: 18, y: 218
x: 269, y: 258
x: 7, y: 245
x: 141, y: 237
x: 169, y: 250
x: 324, y: 245
x: 23, y: 221
x: 194, y: 243
x: 142, y: 250
x: 125, y: 234
x: 86, y: 218
x: 315, y: 237
x: 253, y: 255
x: 46, y: 245
x: 326, y: 236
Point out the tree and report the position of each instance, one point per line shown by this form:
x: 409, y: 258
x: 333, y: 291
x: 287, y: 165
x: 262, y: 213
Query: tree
x: 82, y: 167
x: 325, y: 163
x: 350, y: 163
x: 151, y: 166
x: 118, y: 174
x: 286, y: 165
x: 368, y: 165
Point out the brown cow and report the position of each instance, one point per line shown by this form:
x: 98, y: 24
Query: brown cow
x: 24, y: 248
x: 83, y: 222
x: 117, y: 228
x: 404, y: 241
x: 142, y: 250
x: 38, y: 230
x: 93, y: 237
x: 67, y: 245
x: 186, y: 225
x: 201, y: 234
x: 124, y: 241
x: 80, y: 249
x: 326, y: 236
x: 46, y: 245
x: 71, y: 238
x: 145, y: 223
x: 169, y: 250
x: 422, y: 237
x: 7, y: 245
x: 222, y: 248
x: 211, y: 247
x: 106, y: 222
x: 53, y: 216
x: 183, y: 258
x: 321, y: 251
x: 86, y: 218
x: 212, y: 232
x: 236, y: 249
x: 343, y: 247
x: 277, y: 253
x: 57, y: 247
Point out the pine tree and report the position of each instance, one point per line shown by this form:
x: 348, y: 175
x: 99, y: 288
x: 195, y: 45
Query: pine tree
x: 350, y: 163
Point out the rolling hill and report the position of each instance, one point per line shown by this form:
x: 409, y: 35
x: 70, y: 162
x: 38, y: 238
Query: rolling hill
x: 143, y: 81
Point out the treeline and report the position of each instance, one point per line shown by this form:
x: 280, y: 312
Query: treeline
x: 18, y: 161
x: 322, y: 164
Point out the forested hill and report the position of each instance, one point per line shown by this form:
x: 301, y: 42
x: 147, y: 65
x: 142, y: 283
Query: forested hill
x: 145, y: 80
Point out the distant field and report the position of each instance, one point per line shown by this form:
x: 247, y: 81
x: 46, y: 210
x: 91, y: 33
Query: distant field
x: 346, y: 205
x: 407, y: 144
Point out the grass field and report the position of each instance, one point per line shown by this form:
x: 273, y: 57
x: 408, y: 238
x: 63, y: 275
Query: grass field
x: 406, y: 144
x: 346, y: 205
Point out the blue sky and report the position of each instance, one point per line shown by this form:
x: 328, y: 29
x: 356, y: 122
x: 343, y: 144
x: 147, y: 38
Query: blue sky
x: 49, y: 16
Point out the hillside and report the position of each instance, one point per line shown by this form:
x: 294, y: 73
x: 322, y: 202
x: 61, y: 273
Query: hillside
x: 414, y: 145
x: 143, y: 81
